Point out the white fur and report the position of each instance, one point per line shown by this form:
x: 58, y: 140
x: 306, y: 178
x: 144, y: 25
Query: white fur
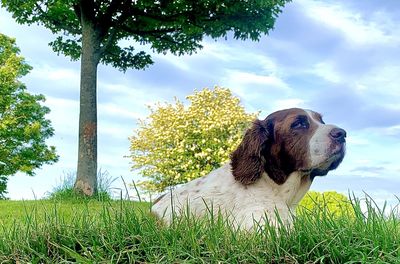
x: 320, y: 143
x: 244, y: 204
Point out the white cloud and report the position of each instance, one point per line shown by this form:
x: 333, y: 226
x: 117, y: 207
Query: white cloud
x: 129, y: 102
x: 115, y: 129
x: 326, y: 71
x: 118, y: 111
x: 239, y: 78
x: 250, y: 86
x: 394, y: 130
x: 144, y: 94
x: 49, y: 73
x: 229, y: 55
x: 389, y: 131
x: 356, y: 140
x: 212, y: 49
x: 363, y: 162
x: 178, y: 62
x: 383, y: 78
x: 288, y: 103
x: 357, y: 29
x: 243, y: 56
x: 64, y: 115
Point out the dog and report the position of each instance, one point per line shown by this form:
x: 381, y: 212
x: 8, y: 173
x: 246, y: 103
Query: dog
x: 268, y: 174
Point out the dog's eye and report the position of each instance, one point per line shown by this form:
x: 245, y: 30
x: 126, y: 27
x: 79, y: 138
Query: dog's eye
x: 301, y: 123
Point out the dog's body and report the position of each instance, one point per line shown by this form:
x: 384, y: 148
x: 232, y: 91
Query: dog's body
x: 269, y: 173
x: 246, y: 203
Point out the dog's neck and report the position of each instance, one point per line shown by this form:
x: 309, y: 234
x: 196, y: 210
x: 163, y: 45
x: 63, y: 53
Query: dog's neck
x: 292, y: 191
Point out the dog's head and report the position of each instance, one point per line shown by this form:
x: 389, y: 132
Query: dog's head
x: 287, y: 141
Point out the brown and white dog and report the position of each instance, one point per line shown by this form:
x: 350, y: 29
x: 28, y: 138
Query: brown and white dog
x: 270, y: 171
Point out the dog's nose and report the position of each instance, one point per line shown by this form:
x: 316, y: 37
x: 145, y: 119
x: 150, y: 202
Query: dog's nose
x: 338, y: 134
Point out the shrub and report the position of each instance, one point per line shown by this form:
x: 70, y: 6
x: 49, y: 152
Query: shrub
x: 331, y: 203
x: 179, y: 143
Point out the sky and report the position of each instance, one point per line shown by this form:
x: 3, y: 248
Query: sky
x: 339, y: 58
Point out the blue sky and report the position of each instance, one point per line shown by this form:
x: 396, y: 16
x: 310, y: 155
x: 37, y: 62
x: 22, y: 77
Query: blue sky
x: 340, y: 58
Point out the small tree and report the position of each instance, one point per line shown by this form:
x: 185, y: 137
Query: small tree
x: 93, y: 30
x: 176, y: 144
x: 332, y: 203
x: 23, y: 126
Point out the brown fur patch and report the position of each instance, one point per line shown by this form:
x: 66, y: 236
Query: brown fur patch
x: 246, y: 160
x: 274, y: 145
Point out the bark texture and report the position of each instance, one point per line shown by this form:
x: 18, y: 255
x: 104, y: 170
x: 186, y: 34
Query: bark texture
x: 86, y: 181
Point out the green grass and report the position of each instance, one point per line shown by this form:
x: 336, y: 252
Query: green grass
x: 122, y: 232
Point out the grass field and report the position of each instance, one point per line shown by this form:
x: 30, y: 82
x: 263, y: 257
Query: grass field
x: 124, y: 232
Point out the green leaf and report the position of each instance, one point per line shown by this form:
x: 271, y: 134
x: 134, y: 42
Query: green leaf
x: 23, y: 125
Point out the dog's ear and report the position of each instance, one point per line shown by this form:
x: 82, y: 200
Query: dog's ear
x: 274, y: 168
x: 278, y: 165
x: 247, y: 161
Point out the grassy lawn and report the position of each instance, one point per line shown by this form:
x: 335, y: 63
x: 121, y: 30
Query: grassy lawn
x: 12, y: 212
x: 124, y: 232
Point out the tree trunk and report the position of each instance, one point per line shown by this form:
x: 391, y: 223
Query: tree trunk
x: 86, y: 179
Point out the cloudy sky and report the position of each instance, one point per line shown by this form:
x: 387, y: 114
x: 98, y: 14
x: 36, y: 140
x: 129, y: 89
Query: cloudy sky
x: 340, y: 58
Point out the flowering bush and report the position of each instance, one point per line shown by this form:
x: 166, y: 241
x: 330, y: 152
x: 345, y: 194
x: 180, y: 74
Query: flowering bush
x: 179, y: 143
x: 333, y: 203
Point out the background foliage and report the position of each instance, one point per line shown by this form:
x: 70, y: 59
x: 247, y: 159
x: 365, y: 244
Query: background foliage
x: 179, y: 143
x: 332, y: 203
x: 23, y: 126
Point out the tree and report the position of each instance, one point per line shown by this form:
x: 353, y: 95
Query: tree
x: 92, y: 30
x: 176, y: 144
x: 23, y: 126
x: 332, y: 203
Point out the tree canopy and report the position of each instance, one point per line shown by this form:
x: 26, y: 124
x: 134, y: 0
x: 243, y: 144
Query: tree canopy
x: 23, y: 126
x: 167, y: 26
x: 179, y: 143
